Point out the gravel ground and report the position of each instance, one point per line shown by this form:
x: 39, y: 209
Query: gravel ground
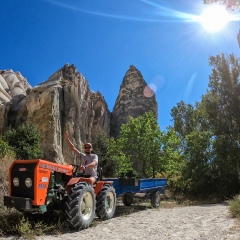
x: 208, y: 222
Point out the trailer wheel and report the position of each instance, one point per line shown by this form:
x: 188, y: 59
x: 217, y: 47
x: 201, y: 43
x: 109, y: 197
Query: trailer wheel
x: 80, y: 206
x: 106, y: 202
x: 127, y: 199
x: 155, y: 199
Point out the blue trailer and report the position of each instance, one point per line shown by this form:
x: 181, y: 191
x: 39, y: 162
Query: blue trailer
x: 129, y: 187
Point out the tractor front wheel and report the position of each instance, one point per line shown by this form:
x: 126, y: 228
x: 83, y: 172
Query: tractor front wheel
x: 106, y: 202
x: 80, y: 206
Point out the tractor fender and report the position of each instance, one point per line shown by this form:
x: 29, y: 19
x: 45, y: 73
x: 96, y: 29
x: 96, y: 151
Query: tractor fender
x: 76, y: 180
x: 100, y: 184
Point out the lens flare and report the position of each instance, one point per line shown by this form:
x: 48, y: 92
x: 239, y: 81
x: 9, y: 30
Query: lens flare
x: 148, y: 91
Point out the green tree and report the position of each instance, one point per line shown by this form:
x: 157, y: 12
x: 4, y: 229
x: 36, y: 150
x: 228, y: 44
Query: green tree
x: 140, y: 139
x: 183, y: 117
x: 25, y: 141
x: 120, y: 162
x: 222, y: 104
x: 173, y: 160
x: 112, y: 160
x: 200, y: 167
x: 100, y: 148
x: 210, y: 132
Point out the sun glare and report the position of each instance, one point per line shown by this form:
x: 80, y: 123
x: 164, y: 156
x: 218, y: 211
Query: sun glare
x: 214, y: 18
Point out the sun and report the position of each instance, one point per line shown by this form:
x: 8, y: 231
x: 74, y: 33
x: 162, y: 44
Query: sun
x: 214, y: 18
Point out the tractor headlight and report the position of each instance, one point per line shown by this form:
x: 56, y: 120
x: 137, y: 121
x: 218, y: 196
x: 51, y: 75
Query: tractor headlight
x: 16, y: 182
x: 28, y: 182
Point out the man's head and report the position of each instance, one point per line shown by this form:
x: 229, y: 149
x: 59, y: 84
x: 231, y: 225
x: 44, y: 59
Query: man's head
x: 88, y: 148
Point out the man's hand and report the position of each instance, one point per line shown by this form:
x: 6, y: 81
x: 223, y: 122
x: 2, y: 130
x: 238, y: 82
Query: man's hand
x: 82, y: 168
x: 66, y: 134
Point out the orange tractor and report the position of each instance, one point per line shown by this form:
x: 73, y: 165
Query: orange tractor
x: 39, y: 186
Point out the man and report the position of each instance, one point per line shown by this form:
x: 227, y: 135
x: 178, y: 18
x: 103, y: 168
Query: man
x: 88, y: 161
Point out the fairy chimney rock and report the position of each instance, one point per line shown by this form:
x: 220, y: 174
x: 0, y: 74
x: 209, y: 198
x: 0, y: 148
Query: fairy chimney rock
x: 134, y: 99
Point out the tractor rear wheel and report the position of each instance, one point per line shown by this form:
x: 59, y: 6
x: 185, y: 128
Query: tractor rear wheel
x: 155, y: 199
x: 106, y: 202
x: 80, y: 206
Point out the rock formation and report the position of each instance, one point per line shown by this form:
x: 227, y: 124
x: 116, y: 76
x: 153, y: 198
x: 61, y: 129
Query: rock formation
x: 65, y: 103
x: 13, y: 90
x: 134, y: 99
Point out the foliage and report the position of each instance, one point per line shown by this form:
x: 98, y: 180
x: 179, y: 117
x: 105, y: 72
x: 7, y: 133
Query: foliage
x: 111, y: 158
x: 183, y: 116
x: 120, y: 161
x: 140, y: 139
x: 199, y: 168
x: 173, y: 162
x: 15, y: 223
x: 222, y: 104
x: 210, y: 133
x: 25, y: 141
x: 231, y: 4
x: 100, y: 148
x: 5, y: 149
x: 235, y: 206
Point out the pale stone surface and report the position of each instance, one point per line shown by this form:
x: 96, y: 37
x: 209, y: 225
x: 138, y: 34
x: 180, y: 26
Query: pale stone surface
x: 13, y: 87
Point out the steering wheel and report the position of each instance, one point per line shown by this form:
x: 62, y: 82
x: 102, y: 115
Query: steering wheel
x: 76, y: 170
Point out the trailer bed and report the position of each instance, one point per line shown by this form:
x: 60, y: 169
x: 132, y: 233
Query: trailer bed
x: 136, y: 185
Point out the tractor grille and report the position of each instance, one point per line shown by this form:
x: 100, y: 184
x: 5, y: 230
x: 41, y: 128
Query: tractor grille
x: 22, y: 172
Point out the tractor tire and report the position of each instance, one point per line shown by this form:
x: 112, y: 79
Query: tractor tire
x: 106, y: 202
x: 155, y: 199
x: 80, y: 206
x: 127, y: 199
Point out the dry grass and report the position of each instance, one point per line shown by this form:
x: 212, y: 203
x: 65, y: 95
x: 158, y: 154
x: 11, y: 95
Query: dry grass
x: 235, y: 206
x: 5, y: 163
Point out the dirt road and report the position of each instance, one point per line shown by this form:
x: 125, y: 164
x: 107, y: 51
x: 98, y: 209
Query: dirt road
x: 208, y: 222
x: 205, y: 222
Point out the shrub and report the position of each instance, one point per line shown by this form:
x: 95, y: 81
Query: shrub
x: 235, y: 206
x: 15, y: 223
x: 25, y: 141
x: 3, y: 148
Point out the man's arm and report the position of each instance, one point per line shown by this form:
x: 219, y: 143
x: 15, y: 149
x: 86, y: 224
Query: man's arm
x: 92, y: 164
x: 77, y: 153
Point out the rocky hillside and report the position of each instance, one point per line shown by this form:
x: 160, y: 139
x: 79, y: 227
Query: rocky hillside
x: 65, y: 102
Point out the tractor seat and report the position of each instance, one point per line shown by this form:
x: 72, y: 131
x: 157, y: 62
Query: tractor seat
x: 99, y: 173
x: 99, y: 176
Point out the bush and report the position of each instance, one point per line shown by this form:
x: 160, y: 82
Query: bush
x: 235, y: 206
x: 25, y: 141
x: 15, y: 223
x: 3, y: 148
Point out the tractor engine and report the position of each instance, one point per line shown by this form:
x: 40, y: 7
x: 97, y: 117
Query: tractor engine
x: 37, y: 185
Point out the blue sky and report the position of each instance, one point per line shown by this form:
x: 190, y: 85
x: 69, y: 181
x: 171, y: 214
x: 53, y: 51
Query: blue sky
x: 102, y: 38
